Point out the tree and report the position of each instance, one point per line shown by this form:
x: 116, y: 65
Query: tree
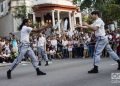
x: 110, y: 9
x: 20, y: 11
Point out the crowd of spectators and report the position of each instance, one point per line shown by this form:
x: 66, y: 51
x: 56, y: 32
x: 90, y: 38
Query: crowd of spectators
x: 67, y: 44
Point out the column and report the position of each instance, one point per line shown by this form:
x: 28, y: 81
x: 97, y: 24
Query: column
x: 70, y: 21
x: 58, y: 17
x: 80, y: 18
x: 42, y: 19
x: 53, y: 17
x: 73, y: 21
x: 34, y: 19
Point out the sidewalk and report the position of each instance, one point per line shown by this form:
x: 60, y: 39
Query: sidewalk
x: 4, y: 64
x: 8, y: 64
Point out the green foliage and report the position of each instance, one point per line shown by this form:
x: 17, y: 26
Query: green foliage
x: 86, y: 4
x: 75, y: 1
x: 112, y: 12
x: 20, y: 12
x: 89, y: 20
x: 14, y: 55
x: 110, y: 8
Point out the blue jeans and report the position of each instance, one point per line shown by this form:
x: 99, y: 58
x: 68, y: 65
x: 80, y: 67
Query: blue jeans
x: 25, y: 48
x: 101, y: 43
x: 43, y: 53
x: 91, y: 50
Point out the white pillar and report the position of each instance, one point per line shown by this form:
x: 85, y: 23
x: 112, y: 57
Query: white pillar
x: 74, y: 19
x: 53, y: 17
x: 42, y: 19
x: 58, y: 17
x: 34, y: 19
x: 80, y: 18
x: 73, y: 22
x: 70, y: 21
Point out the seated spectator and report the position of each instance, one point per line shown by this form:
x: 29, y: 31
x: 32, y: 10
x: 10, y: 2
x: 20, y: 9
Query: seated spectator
x: 118, y: 49
x: 52, y: 52
x: 6, y: 56
x: 7, y: 47
x: 1, y: 57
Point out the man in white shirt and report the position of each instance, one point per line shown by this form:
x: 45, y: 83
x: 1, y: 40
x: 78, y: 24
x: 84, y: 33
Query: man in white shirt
x: 101, y: 41
x: 25, y: 48
x: 42, y: 48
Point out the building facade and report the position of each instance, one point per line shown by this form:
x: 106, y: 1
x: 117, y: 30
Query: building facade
x: 55, y: 11
x: 10, y: 14
x: 41, y: 12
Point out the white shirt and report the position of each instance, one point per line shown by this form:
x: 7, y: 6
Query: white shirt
x: 109, y: 36
x: 64, y: 43
x: 117, y: 35
x: 52, y: 52
x: 41, y: 41
x: 70, y: 33
x: 7, y: 48
x: 25, y: 32
x: 99, y: 23
x: 54, y: 42
x: 2, y: 43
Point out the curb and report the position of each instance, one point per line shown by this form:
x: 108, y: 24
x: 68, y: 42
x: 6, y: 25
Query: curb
x: 4, y: 64
x: 8, y: 64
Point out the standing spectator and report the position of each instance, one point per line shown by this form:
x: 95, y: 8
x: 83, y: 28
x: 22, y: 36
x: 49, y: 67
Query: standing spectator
x: 0, y: 44
x: 85, y: 46
x: 118, y: 49
x: 75, y: 47
x: 42, y: 48
x: 91, y: 45
x: 65, y: 49
x: 14, y: 45
x: 70, y: 47
x: 34, y: 46
x: 54, y: 42
x: 1, y: 57
x: 81, y: 50
x: 59, y: 48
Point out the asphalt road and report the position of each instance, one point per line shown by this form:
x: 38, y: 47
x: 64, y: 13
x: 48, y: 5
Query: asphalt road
x: 67, y: 72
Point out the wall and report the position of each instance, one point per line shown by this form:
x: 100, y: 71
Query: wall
x: 22, y: 2
x: 6, y: 25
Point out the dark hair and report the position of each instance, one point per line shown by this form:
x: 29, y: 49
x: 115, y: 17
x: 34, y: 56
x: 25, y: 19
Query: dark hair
x: 23, y: 23
x: 96, y: 13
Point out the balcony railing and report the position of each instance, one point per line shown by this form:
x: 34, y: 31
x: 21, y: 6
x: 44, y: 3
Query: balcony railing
x: 60, y: 2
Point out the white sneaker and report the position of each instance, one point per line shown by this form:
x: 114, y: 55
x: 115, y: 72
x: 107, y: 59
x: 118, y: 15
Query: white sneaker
x: 50, y: 62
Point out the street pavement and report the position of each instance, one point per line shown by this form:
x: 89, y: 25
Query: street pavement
x: 65, y: 72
